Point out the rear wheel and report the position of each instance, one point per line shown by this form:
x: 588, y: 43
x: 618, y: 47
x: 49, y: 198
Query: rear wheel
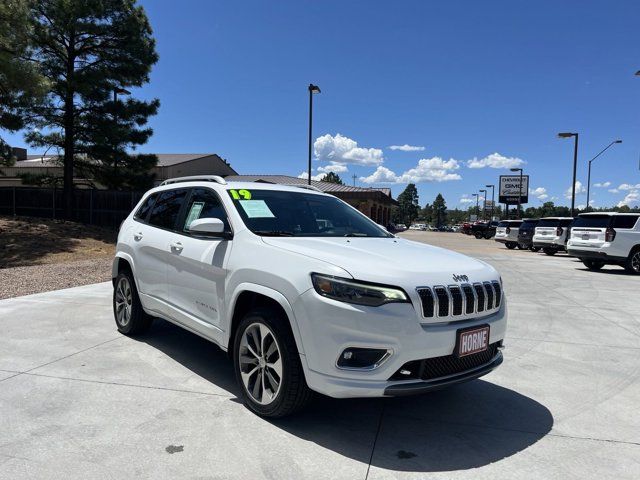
x: 549, y: 251
x: 128, y: 313
x: 511, y: 245
x: 488, y: 235
x: 267, y: 365
x: 593, y: 264
x: 478, y: 235
x: 633, y: 261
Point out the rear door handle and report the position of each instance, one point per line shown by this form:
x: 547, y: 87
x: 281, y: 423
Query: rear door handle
x: 177, y: 246
x: 137, y: 236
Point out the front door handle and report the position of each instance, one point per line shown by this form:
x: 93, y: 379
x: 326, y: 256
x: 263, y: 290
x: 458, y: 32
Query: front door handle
x: 177, y: 246
x: 137, y: 236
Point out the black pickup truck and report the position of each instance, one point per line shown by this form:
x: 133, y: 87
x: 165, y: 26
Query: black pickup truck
x: 484, y: 229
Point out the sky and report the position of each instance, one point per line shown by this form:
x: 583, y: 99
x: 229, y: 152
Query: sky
x: 448, y: 95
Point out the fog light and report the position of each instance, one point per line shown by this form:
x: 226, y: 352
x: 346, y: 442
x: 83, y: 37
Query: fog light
x: 365, y: 358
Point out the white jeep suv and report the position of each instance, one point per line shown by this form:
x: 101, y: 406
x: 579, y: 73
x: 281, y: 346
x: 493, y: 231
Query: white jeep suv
x: 551, y: 234
x: 603, y: 238
x: 305, y: 293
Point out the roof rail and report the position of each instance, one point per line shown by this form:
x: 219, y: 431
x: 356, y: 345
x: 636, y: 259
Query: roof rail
x: 196, y: 178
x: 303, y: 185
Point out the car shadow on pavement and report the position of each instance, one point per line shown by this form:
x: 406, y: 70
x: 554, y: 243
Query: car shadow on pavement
x: 463, y: 427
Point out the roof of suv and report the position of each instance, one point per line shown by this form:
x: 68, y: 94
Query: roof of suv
x: 239, y: 185
x: 556, y: 218
x: 595, y: 214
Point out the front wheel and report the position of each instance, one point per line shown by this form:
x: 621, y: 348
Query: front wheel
x: 593, y: 264
x: 478, y: 235
x: 267, y: 365
x: 549, y: 251
x: 511, y: 245
x: 632, y: 264
x: 128, y: 313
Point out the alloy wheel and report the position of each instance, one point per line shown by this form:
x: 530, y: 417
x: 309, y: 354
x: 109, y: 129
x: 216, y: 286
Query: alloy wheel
x: 260, y: 363
x: 635, y: 262
x: 124, y: 301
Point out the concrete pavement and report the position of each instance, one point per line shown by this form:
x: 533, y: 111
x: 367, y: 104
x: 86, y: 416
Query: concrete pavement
x: 79, y: 400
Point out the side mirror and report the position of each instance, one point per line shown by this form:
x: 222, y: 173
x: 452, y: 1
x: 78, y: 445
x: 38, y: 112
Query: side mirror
x: 213, y: 227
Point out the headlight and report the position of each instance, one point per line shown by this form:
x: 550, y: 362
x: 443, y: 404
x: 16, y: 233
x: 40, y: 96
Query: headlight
x: 352, y: 291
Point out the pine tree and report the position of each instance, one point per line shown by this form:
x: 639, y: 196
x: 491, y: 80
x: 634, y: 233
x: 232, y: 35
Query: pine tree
x: 332, y: 177
x: 440, y: 210
x: 408, y: 208
x: 88, y: 50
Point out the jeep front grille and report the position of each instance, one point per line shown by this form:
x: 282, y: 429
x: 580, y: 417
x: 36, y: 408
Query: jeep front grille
x: 457, y: 300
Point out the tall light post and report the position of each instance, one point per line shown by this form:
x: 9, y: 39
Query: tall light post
x: 477, y: 206
x: 589, y: 174
x: 575, y: 166
x: 519, y: 190
x: 493, y: 198
x: 312, y: 90
x: 116, y: 91
x: 484, y: 204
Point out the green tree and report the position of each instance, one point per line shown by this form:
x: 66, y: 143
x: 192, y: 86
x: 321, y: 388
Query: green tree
x: 332, y: 177
x: 87, y: 50
x: 408, y: 208
x: 427, y: 213
x: 21, y: 85
x: 440, y: 211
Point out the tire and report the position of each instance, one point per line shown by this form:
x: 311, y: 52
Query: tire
x: 534, y: 249
x: 252, y: 368
x: 593, y: 264
x: 549, y: 251
x: 632, y: 265
x: 488, y: 235
x: 478, y: 235
x: 128, y: 313
x: 511, y: 245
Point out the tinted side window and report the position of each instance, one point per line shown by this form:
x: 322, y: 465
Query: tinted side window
x: 144, y: 209
x: 624, y: 221
x: 166, y: 209
x: 565, y: 223
x: 204, y: 203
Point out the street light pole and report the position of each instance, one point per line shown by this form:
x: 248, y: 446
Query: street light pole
x: 519, y: 191
x: 312, y: 89
x: 493, y: 198
x: 484, y: 204
x: 589, y: 174
x: 477, y: 206
x: 575, y: 166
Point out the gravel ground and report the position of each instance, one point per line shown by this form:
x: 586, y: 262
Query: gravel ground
x: 18, y: 281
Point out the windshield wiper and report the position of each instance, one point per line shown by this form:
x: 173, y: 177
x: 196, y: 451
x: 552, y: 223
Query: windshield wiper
x: 356, y: 235
x: 273, y: 233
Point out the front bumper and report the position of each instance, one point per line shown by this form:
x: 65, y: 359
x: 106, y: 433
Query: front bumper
x: 327, y: 327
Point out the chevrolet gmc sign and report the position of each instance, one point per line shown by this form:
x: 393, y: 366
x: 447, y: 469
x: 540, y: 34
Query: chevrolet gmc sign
x: 510, y: 189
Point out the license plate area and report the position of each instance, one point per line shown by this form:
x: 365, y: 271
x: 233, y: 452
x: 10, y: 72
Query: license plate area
x: 472, y: 340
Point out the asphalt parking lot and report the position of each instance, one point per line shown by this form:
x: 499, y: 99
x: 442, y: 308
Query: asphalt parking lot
x: 79, y: 400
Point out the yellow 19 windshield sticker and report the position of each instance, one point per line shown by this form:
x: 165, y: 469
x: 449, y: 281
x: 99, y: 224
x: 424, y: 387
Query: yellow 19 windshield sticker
x: 240, y: 194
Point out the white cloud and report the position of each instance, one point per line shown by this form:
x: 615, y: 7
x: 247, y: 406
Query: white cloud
x: 613, y: 190
x: 428, y: 170
x: 407, y: 148
x: 467, y: 200
x: 495, y: 160
x: 320, y: 176
x: 343, y: 150
x: 580, y: 190
x: 631, y: 199
x: 335, y: 167
x: 625, y: 187
x: 540, y: 193
x: 602, y: 185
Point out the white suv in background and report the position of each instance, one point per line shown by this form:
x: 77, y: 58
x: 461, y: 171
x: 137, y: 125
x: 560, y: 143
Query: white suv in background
x: 507, y: 233
x: 602, y: 238
x: 551, y: 234
x: 305, y: 293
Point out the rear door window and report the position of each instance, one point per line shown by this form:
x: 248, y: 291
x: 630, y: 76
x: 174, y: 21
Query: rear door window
x: 166, y: 209
x: 624, y: 221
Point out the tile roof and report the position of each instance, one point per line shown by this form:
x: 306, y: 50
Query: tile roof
x: 164, y: 159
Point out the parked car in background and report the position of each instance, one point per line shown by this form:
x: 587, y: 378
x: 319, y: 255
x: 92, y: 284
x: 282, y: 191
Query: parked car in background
x: 484, y: 229
x: 507, y: 233
x: 551, y: 234
x: 606, y: 238
x: 525, y: 234
x: 305, y: 293
x: 401, y: 227
x: 418, y: 226
x: 466, y: 228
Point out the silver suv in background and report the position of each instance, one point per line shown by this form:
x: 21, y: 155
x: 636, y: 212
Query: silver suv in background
x: 507, y: 233
x: 606, y: 238
x: 551, y: 234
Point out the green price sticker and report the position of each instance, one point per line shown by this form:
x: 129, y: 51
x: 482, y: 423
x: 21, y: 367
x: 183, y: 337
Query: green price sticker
x: 240, y: 194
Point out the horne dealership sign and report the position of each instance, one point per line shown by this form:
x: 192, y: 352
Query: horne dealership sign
x: 510, y: 189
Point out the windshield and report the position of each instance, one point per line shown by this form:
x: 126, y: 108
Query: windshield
x: 597, y: 221
x: 300, y: 214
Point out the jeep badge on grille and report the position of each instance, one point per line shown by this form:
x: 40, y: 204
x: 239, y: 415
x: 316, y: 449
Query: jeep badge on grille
x: 460, y: 278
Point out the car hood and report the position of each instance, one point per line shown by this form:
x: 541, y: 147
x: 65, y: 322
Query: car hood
x: 391, y: 261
